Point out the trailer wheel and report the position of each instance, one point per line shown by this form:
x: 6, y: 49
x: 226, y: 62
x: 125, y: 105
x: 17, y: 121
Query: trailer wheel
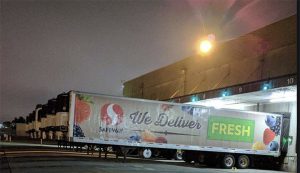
x: 147, y: 153
x: 243, y: 161
x: 228, y: 161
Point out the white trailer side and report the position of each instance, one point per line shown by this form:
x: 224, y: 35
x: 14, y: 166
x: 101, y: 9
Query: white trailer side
x: 120, y: 121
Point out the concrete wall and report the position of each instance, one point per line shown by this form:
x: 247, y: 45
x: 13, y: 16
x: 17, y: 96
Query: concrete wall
x: 265, y: 53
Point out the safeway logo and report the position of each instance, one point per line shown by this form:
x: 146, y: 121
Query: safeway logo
x: 112, y: 114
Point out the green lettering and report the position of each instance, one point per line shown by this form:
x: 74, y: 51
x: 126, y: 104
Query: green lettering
x: 230, y: 129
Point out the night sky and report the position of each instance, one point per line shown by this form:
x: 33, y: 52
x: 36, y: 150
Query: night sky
x: 48, y: 47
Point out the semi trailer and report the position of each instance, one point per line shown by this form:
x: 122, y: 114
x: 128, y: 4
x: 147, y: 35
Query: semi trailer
x: 230, y: 138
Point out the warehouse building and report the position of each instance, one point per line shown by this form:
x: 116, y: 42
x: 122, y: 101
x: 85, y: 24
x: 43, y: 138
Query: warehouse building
x: 256, y: 72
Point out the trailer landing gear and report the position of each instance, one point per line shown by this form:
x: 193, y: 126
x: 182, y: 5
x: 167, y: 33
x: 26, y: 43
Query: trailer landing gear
x: 178, y: 155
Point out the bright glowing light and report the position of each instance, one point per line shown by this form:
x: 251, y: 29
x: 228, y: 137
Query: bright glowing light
x: 286, y: 99
x: 205, y: 46
x: 280, y: 94
x: 266, y: 87
x: 283, y: 96
x: 194, y: 98
x: 220, y: 103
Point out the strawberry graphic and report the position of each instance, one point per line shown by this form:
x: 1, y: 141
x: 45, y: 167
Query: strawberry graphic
x: 161, y: 140
x: 166, y: 107
x: 269, y: 135
x: 82, y: 108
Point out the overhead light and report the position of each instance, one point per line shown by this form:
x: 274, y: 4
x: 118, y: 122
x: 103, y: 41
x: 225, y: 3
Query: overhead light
x: 205, y: 46
x: 286, y: 99
x: 283, y: 96
x: 238, y: 106
x: 224, y: 94
x: 219, y: 103
x: 195, y: 98
x: 266, y: 86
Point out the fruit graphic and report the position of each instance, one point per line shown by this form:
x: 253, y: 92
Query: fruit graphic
x: 273, y: 146
x: 77, y: 131
x: 187, y: 109
x: 112, y: 114
x: 276, y: 128
x: 274, y: 123
x: 192, y: 110
x: 135, y: 138
x: 148, y: 136
x: 82, y: 109
x: 258, y: 146
x: 269, y: 135
x: 161, y: 140
x: 166, y: 107
x: 270, y: 120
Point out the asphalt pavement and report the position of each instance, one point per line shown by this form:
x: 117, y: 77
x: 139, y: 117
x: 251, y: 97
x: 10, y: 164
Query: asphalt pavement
x: 19, y: 158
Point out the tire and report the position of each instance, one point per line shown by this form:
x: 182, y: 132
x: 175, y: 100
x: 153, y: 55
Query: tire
x: 243, y: 162
x: 228, y: 161
x: 146, y: 153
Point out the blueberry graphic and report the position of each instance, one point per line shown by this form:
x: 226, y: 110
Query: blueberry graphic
x: 77, y: 131
x: 273, y: 146
x: 270, y: 120
x: 274, y: 123
x: 188, y: 109
x: 135, y: 138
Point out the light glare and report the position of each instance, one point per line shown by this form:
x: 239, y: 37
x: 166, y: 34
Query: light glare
x: 205, y: 46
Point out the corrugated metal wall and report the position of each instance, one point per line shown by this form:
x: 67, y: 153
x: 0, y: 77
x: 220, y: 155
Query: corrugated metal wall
x: 266, y: 53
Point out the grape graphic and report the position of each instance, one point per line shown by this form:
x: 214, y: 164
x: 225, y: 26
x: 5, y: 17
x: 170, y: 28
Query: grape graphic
x: 77, y: 131
x: 276, y: 127
x: 274, y: 123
